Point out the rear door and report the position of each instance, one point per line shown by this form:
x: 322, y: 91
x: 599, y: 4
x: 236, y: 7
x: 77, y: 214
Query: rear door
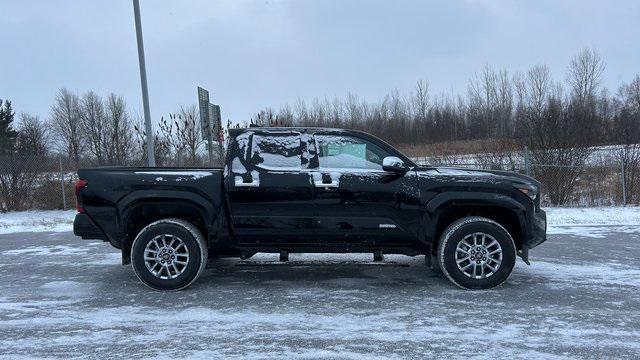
x: 270, y: 196
x: 356, y: 201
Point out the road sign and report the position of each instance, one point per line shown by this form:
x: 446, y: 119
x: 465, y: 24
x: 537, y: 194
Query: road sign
x: 216, y: 120
x: 205, y: 113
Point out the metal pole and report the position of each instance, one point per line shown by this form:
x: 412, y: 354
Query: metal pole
x: 624, y: 190
x: 143, y: 80
x: 64, y: 200
x: 526, y: 161
x: 211, y: 112
x: 210, y: 144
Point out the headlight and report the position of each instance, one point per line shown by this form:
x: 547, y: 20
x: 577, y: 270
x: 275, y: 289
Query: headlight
x: 529, y: 190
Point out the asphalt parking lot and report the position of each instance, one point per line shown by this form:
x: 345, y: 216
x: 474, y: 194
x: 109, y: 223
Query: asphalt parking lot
x: 64, y: 297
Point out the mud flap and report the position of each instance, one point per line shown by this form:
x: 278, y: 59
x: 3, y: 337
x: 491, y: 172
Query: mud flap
x: 431, y: 261
x: 524, y: 255
x: 126, y: 255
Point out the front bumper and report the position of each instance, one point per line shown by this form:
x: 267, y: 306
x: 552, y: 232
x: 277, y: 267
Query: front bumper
x: 84, y: 227
x: 538, y: 230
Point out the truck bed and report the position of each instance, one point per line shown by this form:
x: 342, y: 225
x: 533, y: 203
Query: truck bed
x: 116, y: 192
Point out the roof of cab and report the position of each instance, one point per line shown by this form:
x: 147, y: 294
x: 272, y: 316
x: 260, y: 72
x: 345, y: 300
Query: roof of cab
x: 236, y: 131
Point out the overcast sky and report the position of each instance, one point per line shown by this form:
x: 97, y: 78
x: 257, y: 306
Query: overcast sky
x: 252, y: 54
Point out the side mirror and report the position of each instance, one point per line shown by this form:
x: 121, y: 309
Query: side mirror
x: 394, y: 164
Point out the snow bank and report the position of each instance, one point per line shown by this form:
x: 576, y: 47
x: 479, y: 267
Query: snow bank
x: 37, y: 221
x: 594, y: 216
x: 559, y: 219
x: 593, y: 222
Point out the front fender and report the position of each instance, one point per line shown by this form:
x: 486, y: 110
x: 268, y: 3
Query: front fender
x: 442, y: 202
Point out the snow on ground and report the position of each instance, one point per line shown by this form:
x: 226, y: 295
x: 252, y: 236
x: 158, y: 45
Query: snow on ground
x: 594, y: 222
x: 614, y: 215
x: 36, y: 221
x: 579, y: 299
x: 560, y: 220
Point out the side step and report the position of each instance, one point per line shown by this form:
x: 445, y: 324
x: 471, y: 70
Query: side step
x: 284, y: 256
x: 378, y: 256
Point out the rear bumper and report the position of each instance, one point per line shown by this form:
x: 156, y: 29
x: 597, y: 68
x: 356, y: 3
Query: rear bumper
x: 84, y: 227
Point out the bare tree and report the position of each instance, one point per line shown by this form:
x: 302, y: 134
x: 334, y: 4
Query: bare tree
x: 161, y: 147
x: 188, y: 132
x: 118, y: 132
x: 65, y: 121
x: 626, y: 130
x: 265, y: 117
x: 93, y: 121
x: 584, y: 75
x: 286, y: 116
x: 20, y: 172
x: 33, y: 136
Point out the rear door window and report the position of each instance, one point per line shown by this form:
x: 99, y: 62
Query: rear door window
x: 276, y: 151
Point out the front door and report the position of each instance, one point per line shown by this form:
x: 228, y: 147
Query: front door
x: 356, y: 201
x: 270, y: 197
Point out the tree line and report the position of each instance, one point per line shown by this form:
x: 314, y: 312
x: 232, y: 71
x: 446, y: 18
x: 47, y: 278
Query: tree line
x: 39, y: 156
x: 529, y: 107
x: 94, y: 131
x: 559, y: 121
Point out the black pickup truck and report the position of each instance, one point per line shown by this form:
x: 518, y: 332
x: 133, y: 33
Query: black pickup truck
x: 303, y: 190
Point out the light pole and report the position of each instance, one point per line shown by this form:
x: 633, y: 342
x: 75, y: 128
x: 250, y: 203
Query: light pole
x: 151, y: 160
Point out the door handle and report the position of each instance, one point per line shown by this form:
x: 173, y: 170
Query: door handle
x: 321, y: 184
x: 239, y: 182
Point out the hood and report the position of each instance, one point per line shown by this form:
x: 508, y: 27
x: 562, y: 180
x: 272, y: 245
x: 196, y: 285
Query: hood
x: 496, y: 174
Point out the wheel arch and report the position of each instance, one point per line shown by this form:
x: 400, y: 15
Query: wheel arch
x: 137, y: 212
x: 502, y: 209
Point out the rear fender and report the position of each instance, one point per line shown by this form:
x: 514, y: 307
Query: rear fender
x: 208, y: 211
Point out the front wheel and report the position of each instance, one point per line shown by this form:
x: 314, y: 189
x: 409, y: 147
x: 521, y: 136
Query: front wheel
x: 476, y: 253
x: 168, y: 254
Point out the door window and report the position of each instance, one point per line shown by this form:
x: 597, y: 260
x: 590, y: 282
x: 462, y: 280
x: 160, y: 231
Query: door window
x: 348, y: 152
x: 276, y: 151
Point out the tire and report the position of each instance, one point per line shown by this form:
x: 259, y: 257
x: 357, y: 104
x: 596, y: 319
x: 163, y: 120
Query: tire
x: 183, y: 259
x: 475, y: 269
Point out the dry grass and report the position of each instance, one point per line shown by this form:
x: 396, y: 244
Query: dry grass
x: 462, y: 147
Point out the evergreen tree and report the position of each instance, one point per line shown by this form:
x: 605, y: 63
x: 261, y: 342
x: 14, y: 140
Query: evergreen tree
x: 7, y: 133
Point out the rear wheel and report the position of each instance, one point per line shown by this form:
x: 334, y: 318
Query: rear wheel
x: 476, y: 253
x: 168, y: 254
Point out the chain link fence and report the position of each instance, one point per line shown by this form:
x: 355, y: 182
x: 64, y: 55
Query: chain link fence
x: 31, y: 182
x: 607, y: 177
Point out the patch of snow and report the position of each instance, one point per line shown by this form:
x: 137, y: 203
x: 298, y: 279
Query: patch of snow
x: 58, y: 250
x: 578, y: 221
x: 593, y: 222
x: 66, y: 288
x: 615, y: 215
x: 572, y: 275
x: 37, y: 221
x: 192, y: 174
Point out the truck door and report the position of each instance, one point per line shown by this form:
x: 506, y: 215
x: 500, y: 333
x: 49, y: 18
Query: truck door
x: 270, y: 197
x: 356, y: 201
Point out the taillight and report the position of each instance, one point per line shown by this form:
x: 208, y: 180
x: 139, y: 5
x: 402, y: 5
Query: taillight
x: 79, y: 185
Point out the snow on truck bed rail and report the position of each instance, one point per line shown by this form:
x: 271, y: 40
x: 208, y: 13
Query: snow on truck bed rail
x: 560, y: 220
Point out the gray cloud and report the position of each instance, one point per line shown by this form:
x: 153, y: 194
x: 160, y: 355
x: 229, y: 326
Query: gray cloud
x: 251, y: 54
